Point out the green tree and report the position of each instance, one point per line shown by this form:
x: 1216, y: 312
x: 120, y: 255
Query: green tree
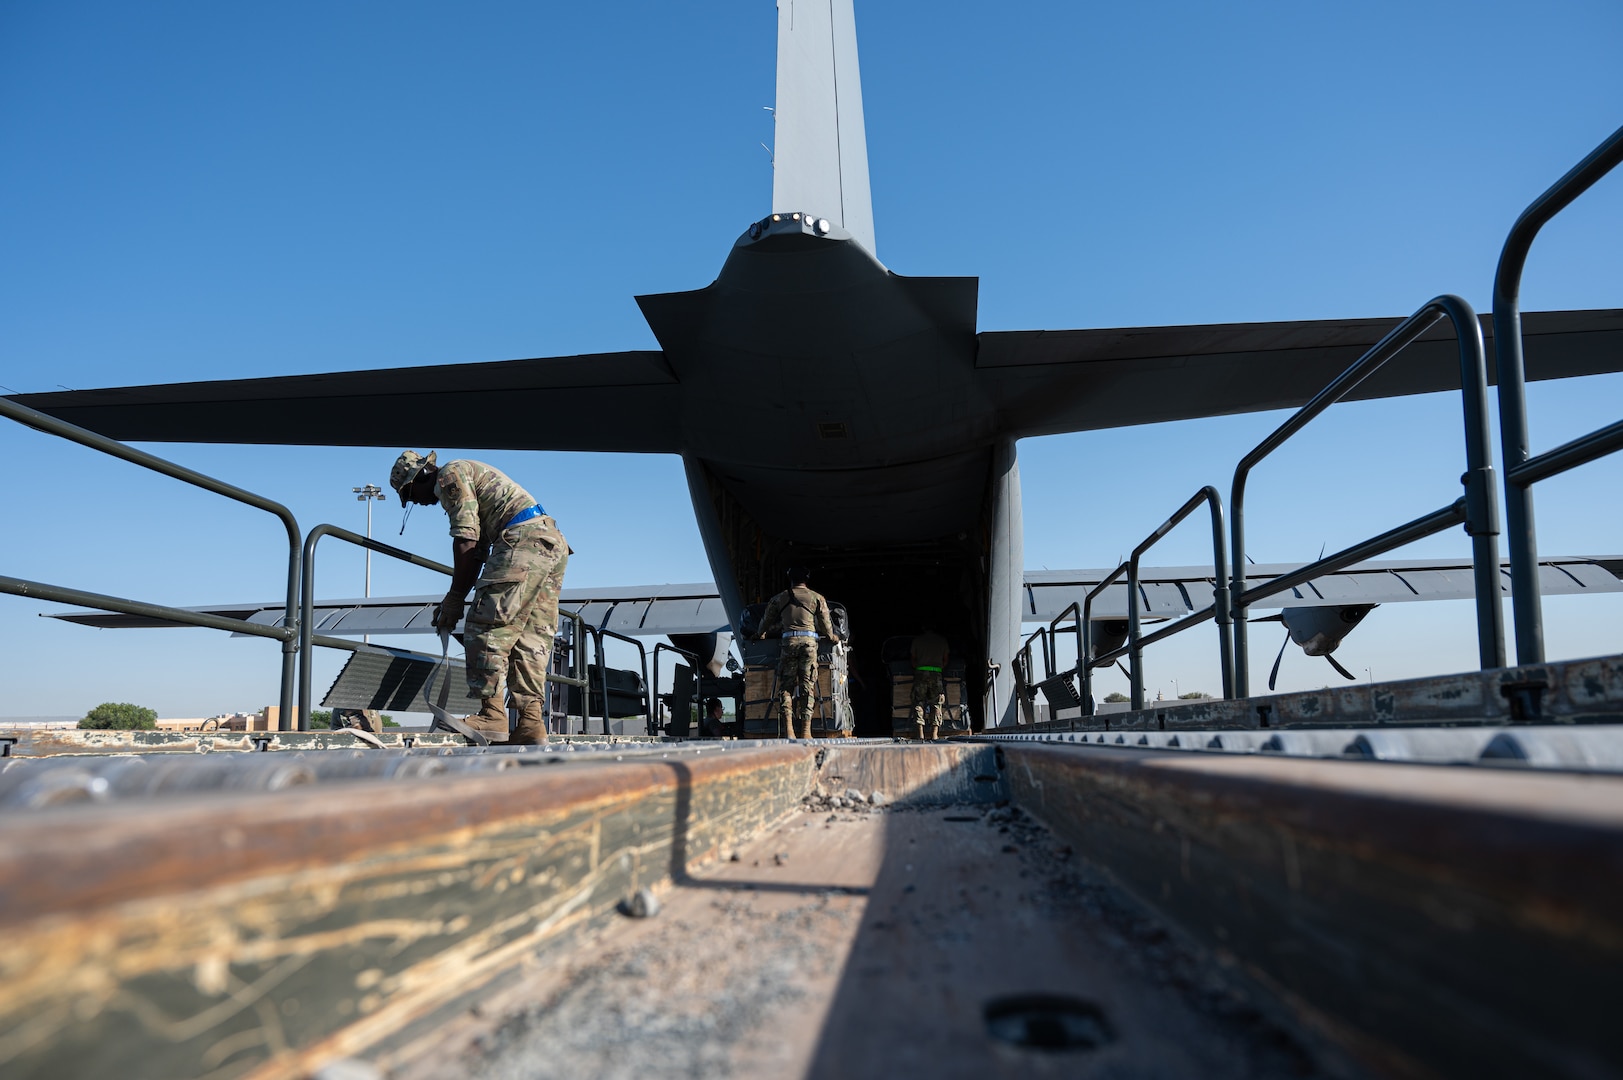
x: 320, y: 719
x: 119, y: 716
x: 1116, y: 695
x: 388, y: 721
x: 1195, y: 695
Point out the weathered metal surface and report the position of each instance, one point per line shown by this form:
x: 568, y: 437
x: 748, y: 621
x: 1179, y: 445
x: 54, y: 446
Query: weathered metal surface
x: 931, y: 774
x: 1441, y: 921
x: 262, y: 933
x: 49, y: 742
x: 39, y: 783
x: 1568, y: 692
x: 873, y: 949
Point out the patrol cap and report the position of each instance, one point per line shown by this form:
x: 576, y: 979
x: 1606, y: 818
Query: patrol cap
x: 406, y: 468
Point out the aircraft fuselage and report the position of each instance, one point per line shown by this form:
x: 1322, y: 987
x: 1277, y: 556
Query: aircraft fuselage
x: 831, y: 418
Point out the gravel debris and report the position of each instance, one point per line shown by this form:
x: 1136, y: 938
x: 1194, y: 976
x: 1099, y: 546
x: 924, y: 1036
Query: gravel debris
x: 648, y: 1011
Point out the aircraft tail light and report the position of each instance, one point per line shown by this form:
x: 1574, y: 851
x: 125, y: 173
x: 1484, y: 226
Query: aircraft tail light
x: 822, y: 225
x: 777, y: 217
x: 794, y: 217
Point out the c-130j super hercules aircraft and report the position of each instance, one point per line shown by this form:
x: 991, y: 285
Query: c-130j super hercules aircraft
x: 892, y: 467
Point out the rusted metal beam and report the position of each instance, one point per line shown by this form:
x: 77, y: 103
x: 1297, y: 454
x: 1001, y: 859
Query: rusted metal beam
x: 259, y: 934
x: 1440, y: 921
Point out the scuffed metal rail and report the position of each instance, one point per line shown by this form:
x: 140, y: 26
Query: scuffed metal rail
x: 1481, y: 516
x: 1522, y: 470
x: 287, y: 634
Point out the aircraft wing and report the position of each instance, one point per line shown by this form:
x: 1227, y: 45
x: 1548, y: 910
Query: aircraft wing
x: 636, y: 611
x: 1049, y: 381
x: 624, y: 401
x: 1170, y: 592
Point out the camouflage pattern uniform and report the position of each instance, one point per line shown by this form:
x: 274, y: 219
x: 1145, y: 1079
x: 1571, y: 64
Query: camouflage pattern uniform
x: 929, y: 656
x: 796, y: 611
x: 514, y: 615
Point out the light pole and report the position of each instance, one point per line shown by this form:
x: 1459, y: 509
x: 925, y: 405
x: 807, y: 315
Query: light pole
x: 366, y: 495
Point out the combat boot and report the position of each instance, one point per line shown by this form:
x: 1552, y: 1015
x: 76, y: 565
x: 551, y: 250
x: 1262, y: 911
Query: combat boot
x: 490, y: 721
x: 918, y: 729
x: 532, y: 723
x: 935, y: 731
x: 806, y: 727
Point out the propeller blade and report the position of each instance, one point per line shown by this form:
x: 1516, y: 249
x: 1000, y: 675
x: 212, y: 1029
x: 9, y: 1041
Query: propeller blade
x: 1344, y: 672
x: 1274, y: 674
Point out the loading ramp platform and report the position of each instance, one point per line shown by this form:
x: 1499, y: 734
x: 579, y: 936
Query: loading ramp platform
x: 1167, y: 896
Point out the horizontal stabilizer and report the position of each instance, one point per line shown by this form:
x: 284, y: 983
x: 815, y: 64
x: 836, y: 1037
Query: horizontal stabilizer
x: 1050, y: 381
x: 624, y: 401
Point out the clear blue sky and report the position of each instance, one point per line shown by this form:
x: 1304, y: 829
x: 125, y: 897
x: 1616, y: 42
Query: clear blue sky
x: 205, y: 190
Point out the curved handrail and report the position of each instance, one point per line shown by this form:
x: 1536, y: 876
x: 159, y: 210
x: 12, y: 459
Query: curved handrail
x: 289, y: 629
x: 1225, y: 645
x: 1520, y: 533
x: 1481, y: 505
x: 598, y: 633
x: 653, y: 688
x: 307, y: 636
x: 1087, y: 662
x: 307, y: 630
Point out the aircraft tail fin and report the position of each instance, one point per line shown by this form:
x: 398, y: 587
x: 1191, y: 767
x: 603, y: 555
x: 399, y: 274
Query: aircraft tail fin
x: 820, y: 161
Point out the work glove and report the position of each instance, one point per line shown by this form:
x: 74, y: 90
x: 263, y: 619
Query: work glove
x: 447, y: 613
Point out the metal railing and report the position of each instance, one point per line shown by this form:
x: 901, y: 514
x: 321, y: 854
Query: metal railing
x: 598, y: 634
x: 1477, y: 510
x: 307, y: 637
x: 1073, y: 613
x: 653, y: 687
x: 1218, y: 608
x: 287, y: 633
x: 1521, y: 470
x: 577, y: 654
x: 307, y: 577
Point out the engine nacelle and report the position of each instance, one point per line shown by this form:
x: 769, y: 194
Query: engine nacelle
x: 1319, y: 630
x: 711, y: 649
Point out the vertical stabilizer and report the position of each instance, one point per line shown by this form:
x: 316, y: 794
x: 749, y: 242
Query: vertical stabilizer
x: 820, y: 162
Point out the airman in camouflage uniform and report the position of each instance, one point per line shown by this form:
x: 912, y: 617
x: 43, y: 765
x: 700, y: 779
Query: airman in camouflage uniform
x: 799, y: 614
x: 508, y: 634
x: 928, y: 655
